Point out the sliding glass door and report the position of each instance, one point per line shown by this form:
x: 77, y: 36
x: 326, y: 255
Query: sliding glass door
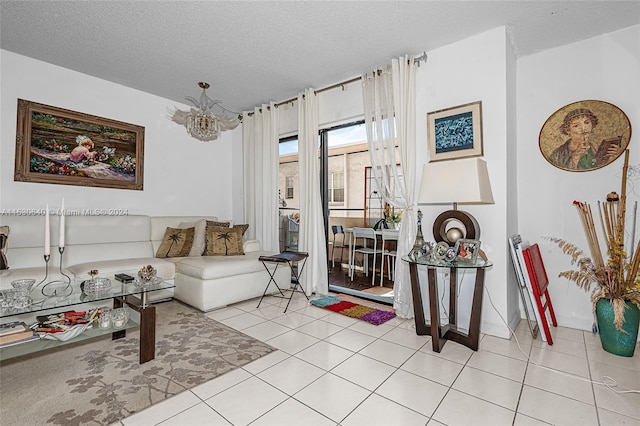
x: 350, y: 198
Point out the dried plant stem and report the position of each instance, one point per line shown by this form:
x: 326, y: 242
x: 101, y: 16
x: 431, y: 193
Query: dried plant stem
x: 602, y: 210
x: 633, y: 269
x: 622, y: 206
x: 594, y: 239
x: 622, y: 211
x: 608, y: 229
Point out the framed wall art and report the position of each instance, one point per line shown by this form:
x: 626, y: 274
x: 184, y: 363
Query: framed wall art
x: 60, y: 146
x: 584, y: 135
x: 455, y: 132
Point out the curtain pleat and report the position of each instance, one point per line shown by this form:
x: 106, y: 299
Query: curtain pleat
x: 312, y: 235
x: 389, y: 108
x: 260, y: 140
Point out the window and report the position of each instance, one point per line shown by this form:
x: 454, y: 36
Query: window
x: 289, y: 188
x: 336, y: 187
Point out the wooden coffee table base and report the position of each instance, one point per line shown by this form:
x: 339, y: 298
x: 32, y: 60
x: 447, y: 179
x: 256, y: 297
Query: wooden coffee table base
x: 147, y: 326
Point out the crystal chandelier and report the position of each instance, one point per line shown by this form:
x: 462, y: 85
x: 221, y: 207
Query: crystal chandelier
x: 201, y: 122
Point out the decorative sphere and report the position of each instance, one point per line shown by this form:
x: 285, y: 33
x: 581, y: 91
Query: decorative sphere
x: 453, y: 235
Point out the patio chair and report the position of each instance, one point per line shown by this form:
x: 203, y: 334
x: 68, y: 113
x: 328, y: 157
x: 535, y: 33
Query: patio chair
x: 369, y: 247
x: 389, y: 235
x: 337, y: 231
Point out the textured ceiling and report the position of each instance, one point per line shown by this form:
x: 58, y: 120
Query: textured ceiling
x: 257, y: 51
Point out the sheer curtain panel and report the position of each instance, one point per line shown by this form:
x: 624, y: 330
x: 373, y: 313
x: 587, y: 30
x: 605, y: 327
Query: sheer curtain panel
x: 260, y: 153
x: 312, y: 235
x: 389, y: 111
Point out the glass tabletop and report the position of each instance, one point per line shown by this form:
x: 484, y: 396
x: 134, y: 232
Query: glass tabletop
x: 60, y: 294
x: 478, y: 264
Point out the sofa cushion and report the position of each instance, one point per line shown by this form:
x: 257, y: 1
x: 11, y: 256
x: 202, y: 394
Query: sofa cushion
x: 211, y: 267
x: 199, y: 237
x: 106, y: 268
x: 223, y: 241
x: 4, y: 235
x: 176, y: 242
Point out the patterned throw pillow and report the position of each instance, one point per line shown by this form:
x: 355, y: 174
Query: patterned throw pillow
x: 176, y: 242
x: 4, y: 235
x: 242, y: 227
x: 223, y: 241
x: 218, y: 224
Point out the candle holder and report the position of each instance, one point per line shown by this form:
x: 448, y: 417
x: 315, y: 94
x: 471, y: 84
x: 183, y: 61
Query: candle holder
x: 60, y: 293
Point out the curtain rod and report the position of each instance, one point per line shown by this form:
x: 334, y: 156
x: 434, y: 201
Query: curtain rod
x: 417, y: 60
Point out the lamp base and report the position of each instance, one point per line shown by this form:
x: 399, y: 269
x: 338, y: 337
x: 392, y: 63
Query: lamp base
x: 464, y: 226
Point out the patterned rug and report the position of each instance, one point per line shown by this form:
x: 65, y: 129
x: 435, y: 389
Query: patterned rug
x: 365, y: 313
x: 101, y: 382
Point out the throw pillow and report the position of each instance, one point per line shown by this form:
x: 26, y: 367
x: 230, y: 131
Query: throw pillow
x: 199, y: 236
x: 223, y: 241
x: 242, y: 227
x: 4, y: 235
x: 219, y: 224
x: 176, y: 242
x: 227, y: 224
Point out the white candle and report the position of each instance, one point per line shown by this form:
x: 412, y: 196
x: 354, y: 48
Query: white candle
x: 47, y: 238
x: 62, y: 225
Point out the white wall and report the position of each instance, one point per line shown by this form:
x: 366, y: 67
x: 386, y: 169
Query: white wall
x: 182, y: 176
x: 603, y: 68
x: 475, y: 69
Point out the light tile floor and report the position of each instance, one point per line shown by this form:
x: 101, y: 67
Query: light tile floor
x: 333, y: 370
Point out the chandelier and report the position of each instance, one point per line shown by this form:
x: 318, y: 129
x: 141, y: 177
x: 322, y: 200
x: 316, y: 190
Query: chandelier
x: 201, y: 122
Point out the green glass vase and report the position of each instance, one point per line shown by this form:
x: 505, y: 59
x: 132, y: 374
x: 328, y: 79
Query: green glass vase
x: 613, y: 340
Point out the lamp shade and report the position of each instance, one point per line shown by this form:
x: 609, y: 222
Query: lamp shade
x: 464, y: 181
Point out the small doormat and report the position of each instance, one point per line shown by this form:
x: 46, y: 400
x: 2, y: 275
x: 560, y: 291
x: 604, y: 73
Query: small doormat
x: 365, y: 313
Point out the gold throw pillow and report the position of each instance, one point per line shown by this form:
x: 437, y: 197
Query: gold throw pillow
x: 176, y: 242
x: 223, y: 241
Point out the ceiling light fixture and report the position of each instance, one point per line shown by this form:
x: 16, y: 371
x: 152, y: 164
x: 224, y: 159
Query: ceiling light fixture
x: 201, y: 122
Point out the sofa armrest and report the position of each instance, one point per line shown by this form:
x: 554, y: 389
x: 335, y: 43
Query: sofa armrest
x: 251, y: 245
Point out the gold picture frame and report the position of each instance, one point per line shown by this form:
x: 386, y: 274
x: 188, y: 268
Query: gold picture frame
x: 60, y: 146
x: 585, y: 135
x: 455, y: 132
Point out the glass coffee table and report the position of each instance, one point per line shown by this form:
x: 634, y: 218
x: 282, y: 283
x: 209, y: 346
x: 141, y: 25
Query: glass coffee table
x: 61, y: 297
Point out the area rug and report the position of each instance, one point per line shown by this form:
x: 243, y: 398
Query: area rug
x: 354, y: 310
x: 101, y: 382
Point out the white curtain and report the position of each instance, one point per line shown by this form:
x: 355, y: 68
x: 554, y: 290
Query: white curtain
x: 260, y: 140
x: 387, y: 94
x: 312, y: 236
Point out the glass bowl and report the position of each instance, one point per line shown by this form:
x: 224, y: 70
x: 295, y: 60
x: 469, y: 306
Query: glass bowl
x: 23, y: 286
x: 119, y: 317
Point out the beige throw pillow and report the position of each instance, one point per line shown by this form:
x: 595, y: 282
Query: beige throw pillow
x: 223, y: 241
x: 176, y: 242
x: 199, y: 237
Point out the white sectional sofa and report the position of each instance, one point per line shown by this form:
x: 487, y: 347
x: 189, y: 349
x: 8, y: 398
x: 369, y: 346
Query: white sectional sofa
x: 114, y: 244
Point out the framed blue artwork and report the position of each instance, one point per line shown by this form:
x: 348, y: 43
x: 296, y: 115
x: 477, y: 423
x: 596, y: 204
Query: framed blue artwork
x: 455, y: 132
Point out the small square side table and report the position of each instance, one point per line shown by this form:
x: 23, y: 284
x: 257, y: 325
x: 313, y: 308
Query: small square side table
x: 286, y: 257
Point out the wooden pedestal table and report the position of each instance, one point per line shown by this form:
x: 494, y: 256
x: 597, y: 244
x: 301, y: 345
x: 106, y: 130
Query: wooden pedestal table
x: 441, y: 333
